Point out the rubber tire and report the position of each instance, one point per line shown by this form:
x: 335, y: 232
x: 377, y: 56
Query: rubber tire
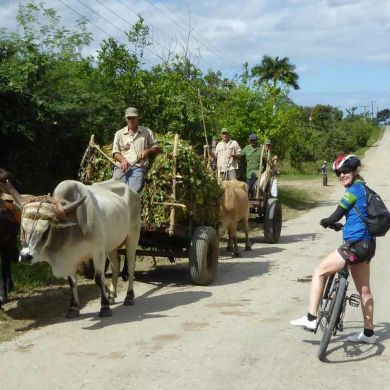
x: 272, y: 221
x: 334, y: 315
x: 204, y: 254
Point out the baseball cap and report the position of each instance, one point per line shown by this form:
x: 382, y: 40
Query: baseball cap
x: 131, y: 111
x: 267, y: 142
x: 253, y: 137
x: 224, y: 130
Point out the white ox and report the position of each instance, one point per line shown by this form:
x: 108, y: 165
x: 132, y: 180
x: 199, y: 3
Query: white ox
x: 78, y: 223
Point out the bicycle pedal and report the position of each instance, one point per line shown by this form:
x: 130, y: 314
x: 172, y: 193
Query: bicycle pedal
x: 354, y: 300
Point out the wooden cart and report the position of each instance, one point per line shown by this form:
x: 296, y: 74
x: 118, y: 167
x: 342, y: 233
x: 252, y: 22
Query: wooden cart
x: 200, y: 244
x: 265, y: 208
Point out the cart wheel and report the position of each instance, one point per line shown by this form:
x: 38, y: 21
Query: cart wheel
x: 204, y: 253
x: 272, y: 221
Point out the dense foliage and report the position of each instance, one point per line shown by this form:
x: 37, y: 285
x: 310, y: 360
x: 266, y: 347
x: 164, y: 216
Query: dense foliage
x: 197, y: 187
x: 53, y: 98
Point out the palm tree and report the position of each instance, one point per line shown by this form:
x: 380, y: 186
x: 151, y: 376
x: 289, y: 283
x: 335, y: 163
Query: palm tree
x: 276, y: 71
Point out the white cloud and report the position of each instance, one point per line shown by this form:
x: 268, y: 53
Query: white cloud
x: 312, y: 33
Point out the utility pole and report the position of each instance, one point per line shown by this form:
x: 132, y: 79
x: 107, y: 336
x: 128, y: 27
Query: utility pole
x: 372, y: 108
x: 365, y: 111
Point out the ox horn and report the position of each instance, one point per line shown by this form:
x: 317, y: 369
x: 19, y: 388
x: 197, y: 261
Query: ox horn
x: 73, y: 206
x: 18, y: 198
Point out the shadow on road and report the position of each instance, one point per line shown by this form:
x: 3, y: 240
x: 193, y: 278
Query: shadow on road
x: 45, y: 307
x: 354, y: 352
x: 147, y: 307
x: 291, y: 238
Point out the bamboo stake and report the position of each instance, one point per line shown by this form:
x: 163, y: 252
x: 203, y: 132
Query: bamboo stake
x: 174, y: 171
x: 259, y: 175
x: 206, y: 151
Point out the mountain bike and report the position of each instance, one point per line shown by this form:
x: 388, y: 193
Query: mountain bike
x: 334, y: 300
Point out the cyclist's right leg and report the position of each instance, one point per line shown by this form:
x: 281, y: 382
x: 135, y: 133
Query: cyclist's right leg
x: 329, y: 265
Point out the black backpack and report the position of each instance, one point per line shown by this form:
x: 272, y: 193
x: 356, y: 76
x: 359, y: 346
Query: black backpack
x: 378, y: 221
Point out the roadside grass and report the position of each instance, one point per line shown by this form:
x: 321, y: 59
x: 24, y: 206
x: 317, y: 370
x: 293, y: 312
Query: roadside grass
x: 297, y: 200
x: 28, y: 278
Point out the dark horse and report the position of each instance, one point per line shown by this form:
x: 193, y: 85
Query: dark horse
x: 9, y: 228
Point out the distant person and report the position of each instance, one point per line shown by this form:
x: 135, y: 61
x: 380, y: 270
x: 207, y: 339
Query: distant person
x: 324, y: 174
x: 132, y: 146
x: 252, y: 154
x: 227, y: 153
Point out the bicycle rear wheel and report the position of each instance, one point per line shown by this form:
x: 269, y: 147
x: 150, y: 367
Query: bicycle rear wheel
x: 334, y: 314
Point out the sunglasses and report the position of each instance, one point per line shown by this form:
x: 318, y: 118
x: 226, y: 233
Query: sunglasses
x: 345, y: 170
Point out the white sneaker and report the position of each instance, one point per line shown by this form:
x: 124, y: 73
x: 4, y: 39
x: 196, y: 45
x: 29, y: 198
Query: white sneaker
x: 362, y: 338
x: 304, y: 322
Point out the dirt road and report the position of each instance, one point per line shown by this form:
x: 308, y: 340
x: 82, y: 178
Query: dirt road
x: 234, y: 334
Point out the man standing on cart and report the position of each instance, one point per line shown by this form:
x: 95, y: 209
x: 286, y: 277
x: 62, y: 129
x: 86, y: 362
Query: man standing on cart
x: 133, y: 144
x: 227, y: 153
x: 252, y: 154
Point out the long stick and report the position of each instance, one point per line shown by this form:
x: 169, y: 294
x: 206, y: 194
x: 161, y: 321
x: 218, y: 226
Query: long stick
x: 174, y: 171
x: 116, y: 164
x: 201, y: 111
x: 97, y: 147
x: 260, y: 172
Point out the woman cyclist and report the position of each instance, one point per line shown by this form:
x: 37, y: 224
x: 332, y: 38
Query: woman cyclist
x: 357, y: 250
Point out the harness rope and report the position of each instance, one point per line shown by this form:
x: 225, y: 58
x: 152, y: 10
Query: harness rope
x: 45, y: 202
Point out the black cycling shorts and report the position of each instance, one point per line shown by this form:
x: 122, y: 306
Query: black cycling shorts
x: 358, y: 251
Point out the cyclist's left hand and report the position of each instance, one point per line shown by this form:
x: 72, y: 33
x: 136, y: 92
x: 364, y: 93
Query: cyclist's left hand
x: 325, y: 222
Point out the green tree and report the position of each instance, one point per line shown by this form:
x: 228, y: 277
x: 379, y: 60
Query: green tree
x: 383, y: 116
x: 276, y: 71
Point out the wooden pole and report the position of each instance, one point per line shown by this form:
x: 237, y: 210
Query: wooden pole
x: 202, y: 115
x: 259, y: 175
x: 206, y: 151
x: 174, y: 172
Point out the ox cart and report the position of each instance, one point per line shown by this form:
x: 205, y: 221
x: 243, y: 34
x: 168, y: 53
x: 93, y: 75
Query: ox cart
x: 173, y: 238
x: 265, y: 208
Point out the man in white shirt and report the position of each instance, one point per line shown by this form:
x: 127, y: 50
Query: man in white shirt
x: 227, y: 153
x: 131, y: 148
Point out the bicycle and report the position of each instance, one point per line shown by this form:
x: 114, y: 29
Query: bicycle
x: 333, y: 304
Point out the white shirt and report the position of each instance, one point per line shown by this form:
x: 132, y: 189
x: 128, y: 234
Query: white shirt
x: 223, y: 152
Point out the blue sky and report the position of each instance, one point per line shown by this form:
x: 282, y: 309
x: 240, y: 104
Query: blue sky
x: 339, y: 47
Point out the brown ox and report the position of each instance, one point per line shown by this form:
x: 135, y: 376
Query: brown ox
x: 234, y: 208
x: 9, y: 229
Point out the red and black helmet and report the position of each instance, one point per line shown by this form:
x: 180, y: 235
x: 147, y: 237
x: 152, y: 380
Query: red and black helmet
x: 346, y: 161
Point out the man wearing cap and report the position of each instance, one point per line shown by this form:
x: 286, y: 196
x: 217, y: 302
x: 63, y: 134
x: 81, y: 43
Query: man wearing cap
x: 227, y: 153
x: 252, y: 154
x: 324, y: 174
x: 132, y: 146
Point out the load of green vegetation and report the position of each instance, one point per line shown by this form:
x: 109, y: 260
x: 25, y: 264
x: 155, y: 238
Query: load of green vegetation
x: 197, y: 187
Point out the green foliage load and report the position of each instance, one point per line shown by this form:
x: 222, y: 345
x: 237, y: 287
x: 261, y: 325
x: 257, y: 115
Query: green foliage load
x: 197, y: 188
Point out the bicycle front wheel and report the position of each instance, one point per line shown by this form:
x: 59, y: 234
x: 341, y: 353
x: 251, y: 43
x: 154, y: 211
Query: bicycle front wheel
x: 334, y: 315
